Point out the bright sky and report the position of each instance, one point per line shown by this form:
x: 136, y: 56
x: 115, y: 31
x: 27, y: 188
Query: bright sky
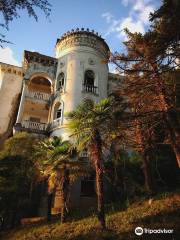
x: 108, y: 17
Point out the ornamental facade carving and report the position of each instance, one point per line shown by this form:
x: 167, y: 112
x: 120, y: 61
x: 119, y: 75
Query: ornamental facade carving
x: 83, y: 38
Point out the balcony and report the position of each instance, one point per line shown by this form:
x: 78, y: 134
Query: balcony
x: 29, y: 126
x: 56, y: 123
x: 90, y: 89
x: 36, y: 127
x: 38, y: 95
x: 83, y: 156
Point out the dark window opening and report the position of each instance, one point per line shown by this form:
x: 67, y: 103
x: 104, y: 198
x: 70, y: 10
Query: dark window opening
x: 60, y: 82
x: 88, y: 186
x: 89, y: 82
x: 59, y: 113
x: 89, y: 78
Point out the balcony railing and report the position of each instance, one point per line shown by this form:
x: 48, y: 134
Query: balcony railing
x: 38, y: 95
x: 34, y: 125
x: 89, y: 89
x: 56, y: 123
x: 83, y: 154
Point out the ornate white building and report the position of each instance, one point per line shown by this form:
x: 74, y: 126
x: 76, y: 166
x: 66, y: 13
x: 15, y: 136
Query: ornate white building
x: 36, y: 96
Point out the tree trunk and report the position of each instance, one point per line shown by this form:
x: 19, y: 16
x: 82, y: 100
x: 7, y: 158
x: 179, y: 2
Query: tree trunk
x: 174, y: 135
x: 63, y: 211
x: 100, y: 195
x: 65, y: 193
x: 118, y: 179
x: 170, y: 115
x: 147, y: 170
x: 140, y: 138
x: 173, y: 128
x: 50, y: 196
x: 176, y: 149
x: 98, y: 164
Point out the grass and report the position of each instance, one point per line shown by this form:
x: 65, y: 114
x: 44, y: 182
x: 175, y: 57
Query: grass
x: 162, y: 212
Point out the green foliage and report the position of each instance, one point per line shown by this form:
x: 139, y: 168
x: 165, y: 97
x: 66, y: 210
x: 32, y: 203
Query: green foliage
x: 20, y: 144
x: 53, y: 154
x: 89, y: 117
x: 166, y: 24
x: 125, y: 176
x: 90, y: 125
x: 9, y: 10
x: 18, y: 172
x: 56, y: 163
x: 151, y: 84
x: 14, y: 183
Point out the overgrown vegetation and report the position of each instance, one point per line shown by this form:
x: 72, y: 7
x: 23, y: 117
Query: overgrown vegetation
x: 18, y: 177
x: 121, y: 223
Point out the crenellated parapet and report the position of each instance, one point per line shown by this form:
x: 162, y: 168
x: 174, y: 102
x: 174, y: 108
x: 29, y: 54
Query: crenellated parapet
x: 82, y: 37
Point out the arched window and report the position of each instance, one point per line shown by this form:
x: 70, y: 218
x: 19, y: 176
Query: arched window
x: 57, y: 115
x: 60, y: 82
x: 58, y: 111
x: 89, y: 78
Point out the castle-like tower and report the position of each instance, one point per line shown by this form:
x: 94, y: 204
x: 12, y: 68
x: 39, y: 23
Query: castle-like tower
x: 82, y: 72
x: 48, y: 87
x: 54, y: 86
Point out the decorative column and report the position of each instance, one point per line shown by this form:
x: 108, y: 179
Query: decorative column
x: 21, y: 105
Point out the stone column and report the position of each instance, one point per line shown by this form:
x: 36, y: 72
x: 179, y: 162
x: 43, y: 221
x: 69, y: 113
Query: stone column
x: 21, y: 105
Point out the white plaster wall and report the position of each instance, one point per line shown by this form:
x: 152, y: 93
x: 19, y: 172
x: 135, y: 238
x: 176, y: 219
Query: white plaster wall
x: 10, y: 87
x: 73, y: 62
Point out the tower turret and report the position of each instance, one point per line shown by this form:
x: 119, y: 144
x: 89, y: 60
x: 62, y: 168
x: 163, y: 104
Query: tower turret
x: 82, y: 72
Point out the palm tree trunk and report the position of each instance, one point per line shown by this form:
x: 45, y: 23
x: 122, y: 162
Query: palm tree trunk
x: 100, y: 195
x: 65, y: 192
x: 50, y: 196
x: 97, y: 160
x: 63, y: 212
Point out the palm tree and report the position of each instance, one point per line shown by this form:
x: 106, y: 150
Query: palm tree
x: 88, y: 124
x: 56, y: 153
x: 56, y: 160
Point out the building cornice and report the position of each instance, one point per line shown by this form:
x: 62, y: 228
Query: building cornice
x: 35, y: 57
x: 83, y: 38
x: 12, y: 69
